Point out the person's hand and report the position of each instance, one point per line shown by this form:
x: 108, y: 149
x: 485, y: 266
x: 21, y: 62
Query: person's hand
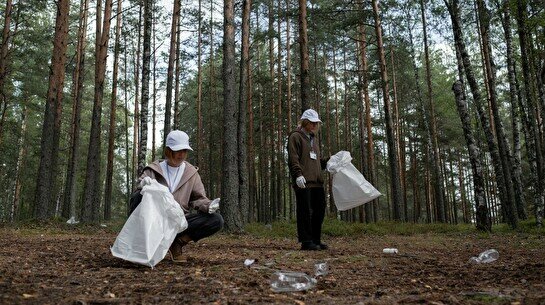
x: 300, y: 181
x: 214, y: 206
x: 145, y: 181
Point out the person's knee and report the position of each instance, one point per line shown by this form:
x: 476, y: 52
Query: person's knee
x: 217, y: 221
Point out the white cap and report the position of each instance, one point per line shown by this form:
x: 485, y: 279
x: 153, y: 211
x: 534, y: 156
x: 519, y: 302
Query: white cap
x: 311, y: 115
x: 177, y: 140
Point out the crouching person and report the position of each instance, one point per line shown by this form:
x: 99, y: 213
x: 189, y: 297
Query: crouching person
x: 184, y: 182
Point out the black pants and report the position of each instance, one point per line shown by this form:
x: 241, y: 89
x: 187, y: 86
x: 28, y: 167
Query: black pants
x: 310, y: 213
x: 201, y: 225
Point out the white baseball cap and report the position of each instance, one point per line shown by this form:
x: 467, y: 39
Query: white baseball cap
x: 311, y: 115
x: 178, y: 140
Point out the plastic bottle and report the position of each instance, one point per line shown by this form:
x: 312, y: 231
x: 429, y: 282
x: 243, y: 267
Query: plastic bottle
x: 284, y: 281
x: 389, y: 250
x: 321, y: 269
x: 487, y: 256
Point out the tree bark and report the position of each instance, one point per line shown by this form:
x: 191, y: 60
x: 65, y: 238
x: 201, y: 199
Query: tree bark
x: 146, y: 59
x: 230, y: 174
x: 16, y: 204
x: 437, y: 179
x: 397, y: 199
x: 303, y: 51
x: 4, y: 51
x: 47, y: 172
x: 69, y: 205
x: 503, y: 146
x: 113, y: 107
x: 170, y: 69
x: 243, y: 197
x: 485, y: 123
x: 92, y: 189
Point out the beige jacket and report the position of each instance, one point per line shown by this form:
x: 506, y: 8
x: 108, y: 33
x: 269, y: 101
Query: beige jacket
x: 189, y: 193
x: 299, y: 161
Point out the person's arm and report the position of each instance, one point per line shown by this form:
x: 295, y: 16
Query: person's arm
x: 294, y: 156
x: 198, y: 199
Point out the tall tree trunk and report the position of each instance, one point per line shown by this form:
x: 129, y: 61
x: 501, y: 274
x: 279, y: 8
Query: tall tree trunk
x: 47, y: 172
x: 16, y: 204
x: 483, y: 222
x: 69, y: 205
x: 176, y: 121
x: 397, y: 198
x: 91, y: 204
x: 485, y: 124
x: 243, y: 193
x: 136, y: 118
x: 4, y: 51
x: 437, y: 179
x: 111, y: 132
x: 515, y: 98
x: 303, y: 51
x: 199, y: 91
x: 230, y: 174
x: 503, y: 146
x: 170, y: 69
x: 146, y: 58
x: 535, y: 157
x: 128, y: 173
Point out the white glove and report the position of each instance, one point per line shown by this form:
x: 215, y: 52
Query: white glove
x: 300, y: 181
x: 214, y: 206
x: 145, y: 181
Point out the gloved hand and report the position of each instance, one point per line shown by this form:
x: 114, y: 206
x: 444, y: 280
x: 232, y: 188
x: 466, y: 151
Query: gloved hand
x: 214, y: 206
x: 300, y: 181
x: 145, y: 181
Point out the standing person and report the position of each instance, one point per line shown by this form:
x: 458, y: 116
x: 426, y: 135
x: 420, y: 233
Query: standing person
x: 306, y: 164
x: 184, y: 182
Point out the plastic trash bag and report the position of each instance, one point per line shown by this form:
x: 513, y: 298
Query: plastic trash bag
x: 151, y: 228
x: 350, y: 189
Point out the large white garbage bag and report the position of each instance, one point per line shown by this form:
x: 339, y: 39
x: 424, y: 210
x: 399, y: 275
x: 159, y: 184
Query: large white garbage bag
x: 350, y: 189
x: 151, y: 228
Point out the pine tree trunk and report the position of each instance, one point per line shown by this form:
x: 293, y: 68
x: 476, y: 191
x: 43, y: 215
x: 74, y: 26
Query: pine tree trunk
x: 535, y: 157
x: 176, y: 120
x: 4, y: 51
x: 92, y: 188
x: 397, y: 199
x: 437, y: 179
x: 146, y: 59
x: 136, y: 118
x: 230, y: 176
x: 47, y: 172
x: 69, y: 205
x: 243, y: 197
x: 482, y: 219
x: 113, y: 107
x: 16, y: 204
x: 303, y: 51
x: 515, y: 98
x: 170, y: 69
x: 503, y: 146
x: 200, y: 156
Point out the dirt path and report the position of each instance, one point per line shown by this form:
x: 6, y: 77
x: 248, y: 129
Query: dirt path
x: 69, y: 268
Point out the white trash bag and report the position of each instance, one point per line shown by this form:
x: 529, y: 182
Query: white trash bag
x: 350, y: 189
x: 151, y: 228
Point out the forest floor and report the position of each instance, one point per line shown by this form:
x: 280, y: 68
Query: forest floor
x: 40, y: 266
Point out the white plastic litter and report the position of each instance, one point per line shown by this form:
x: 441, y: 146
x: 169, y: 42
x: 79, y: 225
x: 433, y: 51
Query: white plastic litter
x: 151, y: 228
x: 248, y: 262
x: 72, y: 221
x: 350, y: 189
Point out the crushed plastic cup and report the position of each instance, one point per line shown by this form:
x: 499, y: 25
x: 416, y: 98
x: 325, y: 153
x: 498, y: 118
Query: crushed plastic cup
x: 485, y: 257
x: 321, y: 269
x: 248, y: 262
x: 287, y: 281
x: 72, y: 221
x: 390, y: 250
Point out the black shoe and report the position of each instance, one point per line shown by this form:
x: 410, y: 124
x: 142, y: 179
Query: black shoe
x: 323, y: 246
x: 310, y: 246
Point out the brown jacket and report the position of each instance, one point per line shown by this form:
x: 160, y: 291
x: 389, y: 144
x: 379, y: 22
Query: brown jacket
x: 299, y: 161
x: 189, y: 193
